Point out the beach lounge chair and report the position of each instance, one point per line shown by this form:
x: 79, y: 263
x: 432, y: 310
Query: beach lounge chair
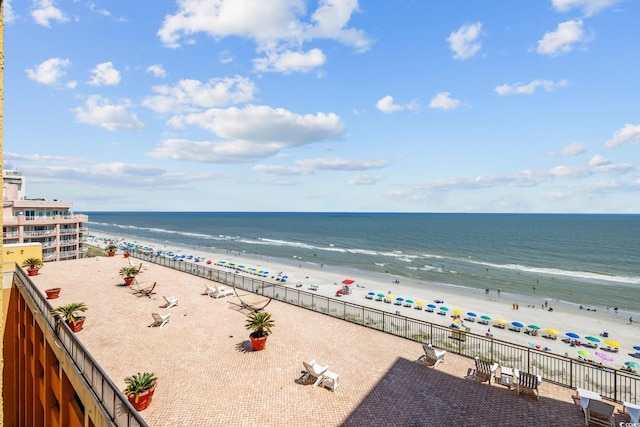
x: 144, y: 292
x: 209, y: 290
x: 599, y: 413
x: 314, y: 370
x: 160, y: 319
x: 171, y: 301
x: 484, y: 370
x: 221, y: 291
x: 528, y: 382
x: 431, y: 356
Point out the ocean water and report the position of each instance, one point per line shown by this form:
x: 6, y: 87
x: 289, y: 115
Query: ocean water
x: 589, y: 260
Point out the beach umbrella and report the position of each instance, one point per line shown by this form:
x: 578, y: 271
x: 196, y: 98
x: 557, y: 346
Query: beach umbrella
x: 444, y: 309
x: 536, y: 327
x: 458, y: 312
x: 472, y: 314
x: 420, y: 303
x: 431, y: 305
x: 517, y: 324
x: 612, y: 343
x: 604, y: 356
x: 389, y: 297
x: 372, y: 293
x: 632, y: 364
x: 592, y: 339
x: 380, y: 295
x: 408, y: 301
x: 501, y: 321
x: 552, y: 331
x: 485, y: 317
x: 584, y: 353
x: 572, y: 335
x: 399, y: 299
x: 348, y: 282
x: 636, y: 347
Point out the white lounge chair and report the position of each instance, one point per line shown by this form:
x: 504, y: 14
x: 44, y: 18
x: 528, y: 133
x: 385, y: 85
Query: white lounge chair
x: 160, y: 319
x: 209, y: 290
x: 431, y: 356
x: 221, y: 291
x: 599, y: 413
x: 314, y: 370
x: 171, y: 301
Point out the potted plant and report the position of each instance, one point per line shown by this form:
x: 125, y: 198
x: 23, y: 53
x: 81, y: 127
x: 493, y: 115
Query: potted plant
x: 126, y: 254
x: 52, y: 293
x: 260, y: 323
x: 70, y: 313
x: 140, y: 389
x: 32, y: 265
x: 111, y: 249
x: 129, y: 273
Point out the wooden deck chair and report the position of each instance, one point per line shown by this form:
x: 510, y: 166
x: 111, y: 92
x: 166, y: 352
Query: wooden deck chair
x: 431, y: 356
x: 160, y: 319
x: 315, y: 371
x: 528, y: 382
x: 484, y: 370
x: 147, y: 292
x: 599, y: 413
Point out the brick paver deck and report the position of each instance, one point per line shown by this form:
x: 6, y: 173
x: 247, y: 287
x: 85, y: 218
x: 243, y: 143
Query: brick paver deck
x: 209, y: 375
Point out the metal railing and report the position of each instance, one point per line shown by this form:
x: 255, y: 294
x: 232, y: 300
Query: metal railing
x: 114, y: 405
x: 613, y: 384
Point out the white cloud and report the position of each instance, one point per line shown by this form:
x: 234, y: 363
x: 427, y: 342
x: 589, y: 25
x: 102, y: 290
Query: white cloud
x: 572, y: 149
x: 101, y: 112
x: 561, y: 40
x: 104, y: 74
x: 364, y: 179
x: 50, y: 71
x: 310, y: 166
x: 386, y: 105
x: 598, y: 160
x: 157, y: 70
x: 275, y: 26
x: 629, y: 134
x: 443, y: 101
x: 529, y: 88
x: 588, y: 7
x: 285, y: 62
x: 464, y: 42
x: 9, y: 16
x: 43, y: 12
x: 247, y: 134
x: 188, y: 95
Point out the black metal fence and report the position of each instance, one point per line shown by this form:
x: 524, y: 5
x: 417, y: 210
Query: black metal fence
x: 114, y: 405
x: 612, y: 384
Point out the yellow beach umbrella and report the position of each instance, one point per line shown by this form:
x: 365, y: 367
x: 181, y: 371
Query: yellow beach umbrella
x: 390, y: 297
x: 458, y: 312
x: 612, y: 343
x: 501, y: 321
x: 552, y: 331
x: 420, y: 303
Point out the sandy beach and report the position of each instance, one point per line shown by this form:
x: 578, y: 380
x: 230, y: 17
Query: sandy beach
x: 327, y: 280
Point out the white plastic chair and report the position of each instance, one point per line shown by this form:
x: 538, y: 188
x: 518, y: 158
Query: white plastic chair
x: 171, y: 301
x: 315, y: 371
x: 160, y: 319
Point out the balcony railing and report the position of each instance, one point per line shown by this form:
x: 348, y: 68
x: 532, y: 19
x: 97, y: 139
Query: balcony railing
x: 39, y: 233
x: 612, y: 384
x: 68, y: 231
x: 112, y: 403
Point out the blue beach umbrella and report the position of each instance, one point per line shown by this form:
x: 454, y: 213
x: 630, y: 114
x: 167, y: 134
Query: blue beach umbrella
x: 517, y: 324
x: 636, y: 347
x: 572, y: 335
x: 431, y: 306
x: 371, y: 293
x: 471, y: 314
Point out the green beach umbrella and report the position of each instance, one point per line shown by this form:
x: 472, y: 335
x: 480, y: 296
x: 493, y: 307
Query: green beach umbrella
x: 444, y: 309
x: 584, y: 353
x: 536, y: 327
x: 485, y: 317
x: 592, y: 339
x: 632, y: 364
x: 408, y: 301
x: 380, y: 295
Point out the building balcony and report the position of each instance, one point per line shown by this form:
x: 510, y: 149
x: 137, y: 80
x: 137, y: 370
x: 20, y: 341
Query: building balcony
x: 39, y: 233
x: 68, y: 231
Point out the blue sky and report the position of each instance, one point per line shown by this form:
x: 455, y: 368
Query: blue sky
x: 330, y: 105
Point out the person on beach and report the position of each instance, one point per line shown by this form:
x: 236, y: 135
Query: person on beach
x: 631, y: 320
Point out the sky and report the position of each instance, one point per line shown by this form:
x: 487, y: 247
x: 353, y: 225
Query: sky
x: 325, y: 106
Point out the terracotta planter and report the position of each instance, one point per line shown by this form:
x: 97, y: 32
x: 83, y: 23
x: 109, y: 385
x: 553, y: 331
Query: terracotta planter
x: 32, y: 271
x: 143, y: 400
x: 52, y: 293
x: 128, y: 281
x: 258, y: 343
x: 126, y: 255
x: 77, y: 325
x: 111, y: 253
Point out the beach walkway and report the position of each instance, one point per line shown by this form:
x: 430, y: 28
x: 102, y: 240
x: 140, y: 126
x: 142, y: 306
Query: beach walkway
x: 209, y: 375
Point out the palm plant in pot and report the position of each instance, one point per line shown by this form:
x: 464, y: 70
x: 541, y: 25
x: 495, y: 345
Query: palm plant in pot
x: 140, y: 389
x: 32, y: 265
x: 70, y: 313
x: 129, y: 273
x: 111, y: 249
x: 260, y: 323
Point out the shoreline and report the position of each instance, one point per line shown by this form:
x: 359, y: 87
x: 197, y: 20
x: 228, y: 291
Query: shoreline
x: 564, y: 317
